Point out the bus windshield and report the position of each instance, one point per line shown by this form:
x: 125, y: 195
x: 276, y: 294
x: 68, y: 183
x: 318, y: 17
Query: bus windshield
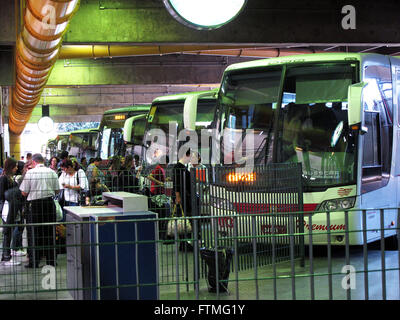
x: 112, y: 143
x: 296, y: 114
x: 169, y: 115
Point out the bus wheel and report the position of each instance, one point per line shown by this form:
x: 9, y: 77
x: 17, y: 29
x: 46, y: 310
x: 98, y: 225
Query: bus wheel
x: 392, y: 243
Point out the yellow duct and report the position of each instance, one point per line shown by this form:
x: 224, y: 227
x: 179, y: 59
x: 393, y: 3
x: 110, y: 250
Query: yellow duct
x: 109, y: 51
x: 38, y: 46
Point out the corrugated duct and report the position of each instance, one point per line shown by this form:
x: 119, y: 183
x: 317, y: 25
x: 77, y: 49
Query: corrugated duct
x: 37, y: 49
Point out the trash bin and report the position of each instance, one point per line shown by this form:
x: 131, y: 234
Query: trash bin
x: 224, y: 262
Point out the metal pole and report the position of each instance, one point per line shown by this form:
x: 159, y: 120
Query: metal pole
x: 255, y: 256
x: 310, y: 248
x: 347, y: 235
x: 365, y: 254
x: 137, y: 262
x: 116, y: 259
x: 196, y: 260
x: 292, y: 264
x: 383, y: 265
x: 328, y: 224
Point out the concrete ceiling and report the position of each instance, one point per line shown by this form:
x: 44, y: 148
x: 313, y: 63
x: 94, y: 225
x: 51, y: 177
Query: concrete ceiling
x: 84, y: 89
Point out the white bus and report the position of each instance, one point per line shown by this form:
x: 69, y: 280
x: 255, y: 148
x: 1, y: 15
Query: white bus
x: 82, y: 143
x: 336, y: 114
x: 110, y: 140
x: 171, y: 115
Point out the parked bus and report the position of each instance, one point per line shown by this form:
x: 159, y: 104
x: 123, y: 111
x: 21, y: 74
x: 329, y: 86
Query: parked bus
x: 110, y: 139
x: 133, y: 134
x: 170, y: 115
x: 337, y: 115
x: 51, y: 148
x: 82, y: 143
x: 61, y: 143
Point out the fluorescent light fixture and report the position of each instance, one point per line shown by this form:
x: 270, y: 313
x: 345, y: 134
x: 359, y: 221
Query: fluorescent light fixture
x: 204, y: 14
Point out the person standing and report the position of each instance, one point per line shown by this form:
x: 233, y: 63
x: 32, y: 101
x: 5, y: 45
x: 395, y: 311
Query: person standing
x: 157, y: 178
x: 63, y: 155
x: 182, y: 194
x: 73, y: 180
x: 9, y: 192
x: 18, y: 231
x: 182, y: 185
x: 28, y: 156
x: 113, y: 173
x: 129, y: 182
x: 54, y: 165
x: 84, y: 163
x: 40, y: 185
x: 159, y: 200
x: 94, y: 172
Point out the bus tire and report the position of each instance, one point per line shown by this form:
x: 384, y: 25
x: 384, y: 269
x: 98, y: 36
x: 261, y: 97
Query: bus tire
x: 392, y: 243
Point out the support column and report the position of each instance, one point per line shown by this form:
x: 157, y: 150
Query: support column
x: 15, y: 146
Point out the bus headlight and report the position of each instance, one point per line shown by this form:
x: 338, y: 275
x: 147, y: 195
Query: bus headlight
x: 337, y: 204
x: 236, y: 177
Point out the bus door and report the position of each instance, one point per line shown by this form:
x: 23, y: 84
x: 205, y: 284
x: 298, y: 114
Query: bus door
x: 377, y: 147
x: 397, y: 133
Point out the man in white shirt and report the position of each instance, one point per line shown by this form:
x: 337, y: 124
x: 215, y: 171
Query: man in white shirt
x: 40, y: 185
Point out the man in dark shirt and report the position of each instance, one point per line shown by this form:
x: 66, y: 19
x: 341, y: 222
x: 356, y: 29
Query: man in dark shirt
x: 182, y: 195
x: 182, y: 186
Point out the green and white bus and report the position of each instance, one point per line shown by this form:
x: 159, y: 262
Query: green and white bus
x: 172, y: 115
x: 336, y: 114
x: 82, y: 143
x: 110, y: 140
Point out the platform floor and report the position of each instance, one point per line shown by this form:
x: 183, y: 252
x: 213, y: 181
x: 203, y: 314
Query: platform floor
x: 18, y: 283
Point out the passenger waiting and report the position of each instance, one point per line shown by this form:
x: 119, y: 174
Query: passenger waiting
x: 73, y: 181
x: 128, y: 179
x: 159, y: 201
x: 40, y: 185
x: 113, y: 172
x: 11, y: 200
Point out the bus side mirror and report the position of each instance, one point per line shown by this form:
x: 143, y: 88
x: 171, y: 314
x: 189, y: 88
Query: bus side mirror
x: 134, y: 129
x: 355, y: 103
x: 190, y: 112
x: 139, y: 127
x: 128, y: 127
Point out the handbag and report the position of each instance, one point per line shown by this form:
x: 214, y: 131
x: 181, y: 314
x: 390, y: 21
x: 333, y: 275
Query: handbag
x: 59, y: 211
x: 82, y: 192
x: 182, y: 225
x: 4, y: 211
x: 60, y: 198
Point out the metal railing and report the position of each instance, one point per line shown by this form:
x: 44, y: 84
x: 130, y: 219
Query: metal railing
x: 370, y: 271
x: 252, y: 252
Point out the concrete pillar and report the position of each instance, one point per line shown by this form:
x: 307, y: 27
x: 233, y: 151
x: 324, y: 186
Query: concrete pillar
x: 15, y: 146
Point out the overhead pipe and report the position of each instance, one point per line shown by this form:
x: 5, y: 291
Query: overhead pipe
x: 37, y: 50
x: 110, y: 51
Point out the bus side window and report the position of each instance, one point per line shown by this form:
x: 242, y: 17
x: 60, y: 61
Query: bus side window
x: 372, y: 158
x: 378, y: 118
x: 372, y: 155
